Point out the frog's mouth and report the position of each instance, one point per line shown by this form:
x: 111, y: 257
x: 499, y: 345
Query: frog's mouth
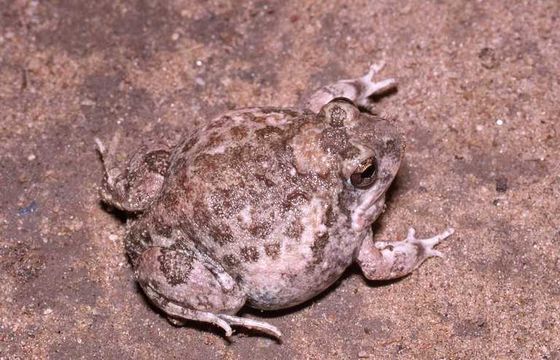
x: 372, y: 201
x: 368, y: 209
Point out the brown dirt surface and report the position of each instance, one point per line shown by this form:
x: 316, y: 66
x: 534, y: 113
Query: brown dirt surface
x: 478, y: 100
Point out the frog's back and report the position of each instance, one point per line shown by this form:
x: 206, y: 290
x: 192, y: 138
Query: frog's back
x: 236, y: 193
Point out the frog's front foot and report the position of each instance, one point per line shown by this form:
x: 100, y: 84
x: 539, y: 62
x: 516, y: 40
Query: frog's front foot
x: 389, y: 260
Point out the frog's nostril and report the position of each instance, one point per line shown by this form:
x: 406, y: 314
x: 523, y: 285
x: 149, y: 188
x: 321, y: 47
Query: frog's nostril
x: 390, y: 146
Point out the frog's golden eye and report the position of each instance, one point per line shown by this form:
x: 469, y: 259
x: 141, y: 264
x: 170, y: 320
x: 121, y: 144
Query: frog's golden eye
x: 365, y: 174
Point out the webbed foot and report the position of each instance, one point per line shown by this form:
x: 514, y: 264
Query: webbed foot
x: 390, y: 260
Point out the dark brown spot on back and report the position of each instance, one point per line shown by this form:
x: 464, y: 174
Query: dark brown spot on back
x: 230, y: 260
x: 238, y: 133
x: 260, y: 229
x: 295, y: 199
x: 330, y: 218
x: 272, y: 250
x: 334, y: 140
x: 221, y: 234
x: 294, y: 229
x: 250, y: 253
x: 175, y: 265
x: 318, y: 247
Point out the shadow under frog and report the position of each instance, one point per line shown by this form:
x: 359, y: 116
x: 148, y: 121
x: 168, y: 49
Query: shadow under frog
x: 264, y: 207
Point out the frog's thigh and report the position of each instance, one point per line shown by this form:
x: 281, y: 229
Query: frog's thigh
x: 358, y: 90
x: 187, y: 285
x: 134, y: 185
x: 390, y: 260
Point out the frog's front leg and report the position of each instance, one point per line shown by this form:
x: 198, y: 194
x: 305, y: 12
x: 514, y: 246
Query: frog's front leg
x: 390, y: 260
x: 188, y: 285
x: 358, y: 90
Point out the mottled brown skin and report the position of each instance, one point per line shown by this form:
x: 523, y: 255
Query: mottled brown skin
x: 264, y: 206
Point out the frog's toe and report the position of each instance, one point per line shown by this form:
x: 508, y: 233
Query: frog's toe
x: 427, y: 245
x: 252, y: 324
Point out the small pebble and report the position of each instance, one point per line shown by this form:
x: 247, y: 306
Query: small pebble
x: 501, y: 184
x: 488, y: 58
x: 29, y: 209
x: 175, y: 37
x: 31, y: 157
x: 47, y: 311
x: 113, y: 237
x: 499, y: 122
x: 200, y: 81
x: 87, y: 102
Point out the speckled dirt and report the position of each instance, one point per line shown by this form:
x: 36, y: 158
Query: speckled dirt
x: 479, y: 103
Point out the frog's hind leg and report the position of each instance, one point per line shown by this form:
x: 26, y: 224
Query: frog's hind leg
x: 180, y: 313
x: 358, y: 90
x: 390, y: 260
x: 188, y: 285
x: 132, y: 186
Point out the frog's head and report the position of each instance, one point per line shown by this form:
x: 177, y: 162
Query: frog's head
x: 369, y: 163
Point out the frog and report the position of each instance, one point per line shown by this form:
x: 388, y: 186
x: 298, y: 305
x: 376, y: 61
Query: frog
x: 264, y: 207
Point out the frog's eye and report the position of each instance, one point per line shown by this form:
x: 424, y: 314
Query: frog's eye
x: 339, y: 111
x: 365, y: 174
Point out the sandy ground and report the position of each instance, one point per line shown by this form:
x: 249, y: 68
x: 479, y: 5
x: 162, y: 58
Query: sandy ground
x: 479, y: 104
